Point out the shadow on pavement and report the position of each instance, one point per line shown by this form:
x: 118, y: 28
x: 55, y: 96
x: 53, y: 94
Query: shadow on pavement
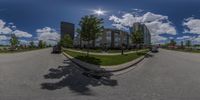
x: 77, y: 80
x: 89, y: 59
x: 149, y: 55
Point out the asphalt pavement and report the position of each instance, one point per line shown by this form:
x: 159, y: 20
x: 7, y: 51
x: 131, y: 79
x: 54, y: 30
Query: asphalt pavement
x: 40, y: 75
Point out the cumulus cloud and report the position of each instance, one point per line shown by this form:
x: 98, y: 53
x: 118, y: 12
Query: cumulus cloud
x: 192, y: 25
x: 157, y: 24
x: 3, y: 38
x: 20, y: 34
x: 184, y: 37
x: 119, y: 26
x: 8, y: 30
x: 158, y: 39
x: 24, y: 42
x: 158, y: 27
x: 49, y: 35
x: 4, y: 29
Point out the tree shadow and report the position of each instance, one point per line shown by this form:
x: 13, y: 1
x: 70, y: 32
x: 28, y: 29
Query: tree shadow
x: 148, y: 55
x: 77, y: 80
x: 89, y: 59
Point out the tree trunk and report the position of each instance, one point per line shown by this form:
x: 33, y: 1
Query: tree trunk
x: 137, y: 46
x: 122, y: 53
x: 93, y: 43
x: 80, y: 43
x: 88, y: 48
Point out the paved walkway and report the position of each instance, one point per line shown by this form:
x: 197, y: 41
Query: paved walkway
x: 103, y: 53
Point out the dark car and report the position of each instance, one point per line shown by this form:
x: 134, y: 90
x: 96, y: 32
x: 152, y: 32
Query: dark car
x: 154, y: 49
x: 56, y: 49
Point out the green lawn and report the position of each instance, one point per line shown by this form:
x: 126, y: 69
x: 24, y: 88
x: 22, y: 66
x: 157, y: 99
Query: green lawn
x: 106, y: 60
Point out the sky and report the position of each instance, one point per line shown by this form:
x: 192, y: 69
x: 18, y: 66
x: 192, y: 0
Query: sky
x: 33, y: 20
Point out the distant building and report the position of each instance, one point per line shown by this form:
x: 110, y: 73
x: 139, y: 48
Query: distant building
x: 67, y: 28
x: 110, y: 38
x: 113, y: 38
x: 143, y: 28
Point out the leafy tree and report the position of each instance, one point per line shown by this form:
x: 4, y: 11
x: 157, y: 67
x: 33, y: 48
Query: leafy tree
x: 188, y: 43
x: 172, y: 43
x: 90, y: 28
x: 67, y: 41
x: 44, y: 44
x: 14, y: 41
x: 79, y: 32
x: 41, y: 44
x: 49, y: 45
x: 137, y: 38
x: 31, y: 44
x: 182, y: 44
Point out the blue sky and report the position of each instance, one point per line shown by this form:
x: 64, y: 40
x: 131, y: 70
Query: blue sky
x: 45, y: 15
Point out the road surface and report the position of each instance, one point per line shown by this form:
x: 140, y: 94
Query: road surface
x: 40, y: 75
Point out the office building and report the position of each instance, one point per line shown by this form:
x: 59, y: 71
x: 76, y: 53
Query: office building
x: 109, y: 38
x: 145, y: 31
x: 67, y: 28
x: 114, y: 38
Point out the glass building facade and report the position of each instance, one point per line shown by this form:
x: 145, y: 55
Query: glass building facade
x: 145, y: 31
x: 67, y: 28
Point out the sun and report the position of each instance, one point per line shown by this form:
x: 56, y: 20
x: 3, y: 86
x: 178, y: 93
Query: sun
x: 99, y: 12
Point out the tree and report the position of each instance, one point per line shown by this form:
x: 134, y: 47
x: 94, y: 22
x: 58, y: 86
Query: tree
x: 79, y: 34
x: 182, y: 45
x: 137, y: 38
x: 41, y: 44
x: 44, y: 44
x: 172, y: 42
x: 31, y: 44
x: 14, y: 41
x: 188, y: 43
x: 66, y: 41
x: 49, y: 45
x: 90, y: 28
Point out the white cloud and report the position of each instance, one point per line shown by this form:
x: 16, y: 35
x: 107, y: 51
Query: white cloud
x: 192, y: 25
x: 150, y: 17
x: 7, y: 30
x: 157, y: 24
x: 21, y: 34
x: 158, y: 39
x: 184, y: 37
x: 3, y: 38
x: 49, y: 35
x: 119, y: 26
x: 2, y: 23
x: 158, y: 27
x: 3, y: 28
x: 24, y: 42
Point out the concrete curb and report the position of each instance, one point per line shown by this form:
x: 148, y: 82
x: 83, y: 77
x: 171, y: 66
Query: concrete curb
x: 112, y: 69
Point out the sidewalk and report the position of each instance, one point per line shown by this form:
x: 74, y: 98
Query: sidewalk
x: 103, y: 53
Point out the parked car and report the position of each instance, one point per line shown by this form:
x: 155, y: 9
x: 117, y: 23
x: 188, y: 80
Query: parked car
x: 154, y: 49
x: 56, y: 49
